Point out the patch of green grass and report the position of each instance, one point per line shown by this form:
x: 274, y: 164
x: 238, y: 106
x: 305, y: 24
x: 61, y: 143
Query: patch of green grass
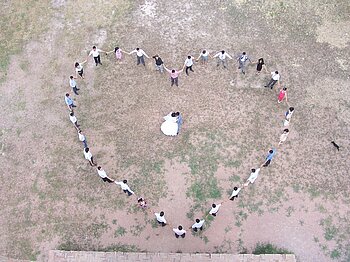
x: 330, y: 231
x: 268, y: 248
x: 335, y: 254
x: 235, y: 179
x: 97, y: 229
x: 120, y: 231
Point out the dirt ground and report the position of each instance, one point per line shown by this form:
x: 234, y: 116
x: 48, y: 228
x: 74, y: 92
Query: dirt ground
x: 52, y: 199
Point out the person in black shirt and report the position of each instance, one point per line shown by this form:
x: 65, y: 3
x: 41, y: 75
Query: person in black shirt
x: 159, y: 63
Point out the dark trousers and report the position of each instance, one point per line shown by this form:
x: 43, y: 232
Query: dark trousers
x: 106, y: 179
x: 92, y: 161
x: 233, y: 198
x: 75, y: 90
x: 140, y: 60
x: 267, y: 163
x: 127, y: 192
x: 177, y: 236
x: 174, y: 81
x: 161, y: 223
x: 271, y: 83
x: 85, y: 144
x: 196, y: 229
x: 97, y: 60
x: 81, y: 72
x: 188, y: 67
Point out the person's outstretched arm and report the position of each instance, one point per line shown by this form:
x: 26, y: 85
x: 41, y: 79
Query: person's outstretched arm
x: 133, y: 51
x: 145, y: 54
x: 229, y: 56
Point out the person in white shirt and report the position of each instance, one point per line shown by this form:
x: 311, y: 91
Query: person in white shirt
x: 74, y: 120
x: 160, y: 218
x: 123, y: 184
x: 79, y: 69
x: 275, y: 78
x: 88, y: 156
x: 179, y: 232
x: 214, y: 209
x: 198, y: 225
x: 235, y: 193
x: 95, y: 52
x: 242, y: 59
x: 203, y: 57
x: 103, y: 175
x: 73, y: 85
x: 82, y: 138
x: 139, y: 55
x: 253, y: 176
x: 222, y: 58
x: 189, y: 63
x: 284, y: 136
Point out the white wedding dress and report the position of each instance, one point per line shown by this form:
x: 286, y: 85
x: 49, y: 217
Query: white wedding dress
x: 170, y: 126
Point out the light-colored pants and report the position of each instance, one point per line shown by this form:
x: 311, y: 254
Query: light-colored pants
x: 223, y: 62
x: 160, y: 68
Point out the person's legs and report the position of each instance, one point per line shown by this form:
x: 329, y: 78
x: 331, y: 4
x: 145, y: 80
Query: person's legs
x: 269, y: 83
x: 80, y: 73
x: 163, y: 224
x: 129, y: 193
x: 187, y: 67
x: 195, y: 229
x: 172, y: 81
x: 96, y: 60
x: 161, y: 68
x: 99, y: 59
x: 176, y: 235
x: 214, y: 214
x: 138, y: 60
x: 92, y: 160
x: 191, y: 68
x: 142, y: 60
x: 183, y: 235
x: 75, y: 90
x: 273, y: 83
x: 201, y: 228
x: 218, y: 62
x: 176, y: 81
x: 224, y: 62
x: 85, y: 144
x: 157, y: 67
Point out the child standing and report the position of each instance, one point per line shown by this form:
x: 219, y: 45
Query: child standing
x: 282, y: 95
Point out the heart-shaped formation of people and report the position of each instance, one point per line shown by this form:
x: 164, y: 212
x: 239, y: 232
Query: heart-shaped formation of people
x: 173, y: 121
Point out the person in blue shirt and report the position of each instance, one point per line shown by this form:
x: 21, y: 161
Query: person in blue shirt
x: 69, y: 101
x: 269, y: 157
x: 179, y: 121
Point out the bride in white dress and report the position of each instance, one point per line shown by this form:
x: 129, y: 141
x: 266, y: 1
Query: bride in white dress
x: 170, y: 126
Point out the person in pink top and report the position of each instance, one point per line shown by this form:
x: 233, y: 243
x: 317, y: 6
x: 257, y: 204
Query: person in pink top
x: 118, y: 53
x: 174, y: 75
x: 282, y: 95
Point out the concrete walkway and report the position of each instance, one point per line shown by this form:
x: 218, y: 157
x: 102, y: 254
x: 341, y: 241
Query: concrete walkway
x: 87, y: 256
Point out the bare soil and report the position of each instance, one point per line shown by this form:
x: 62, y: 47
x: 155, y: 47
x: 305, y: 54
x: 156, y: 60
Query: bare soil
x: 51, y: 198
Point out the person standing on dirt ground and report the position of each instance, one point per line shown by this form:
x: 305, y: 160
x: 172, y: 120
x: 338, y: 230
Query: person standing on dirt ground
x: 198, y: 225
x: 95, y: 52
x: 174, y: 75
x: 179, y: 232
x: 79, y: 69
x: 179, y: 121
x: 271, y: 154
x: 140, y: 55
x: 103, y: 175
x: 282, y: 95
x: 260, y: 64
x: 142, y: 202
x: 159, y: 63
x: 82, y: 138
x: 123, y: 184
x: 222, y: 58
x: 214, y: 209
x: 69, y: 102
x: 88, y: 156
x: 242, y: 59
x: 160, y: 218
x: 235, y: 193
x: 203, y: 57
x: 289, y: 113
x: 189, y: 63
x: 275, y: 78
x: 253, y: 176
x: 74, y: 120
x: 284, y: 136
x: 73, y: 85
x: 118, y: 53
